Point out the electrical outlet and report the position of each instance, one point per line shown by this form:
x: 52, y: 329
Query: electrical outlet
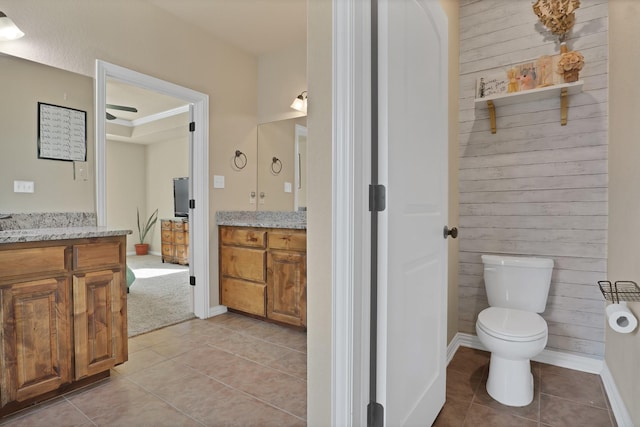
x: 287, y: 187
x: 23, y: 187
x: 80, y: 172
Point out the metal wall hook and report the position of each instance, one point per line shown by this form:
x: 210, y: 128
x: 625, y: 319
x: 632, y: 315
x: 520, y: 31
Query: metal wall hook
x: 276, y: 166
x: 240, y: 160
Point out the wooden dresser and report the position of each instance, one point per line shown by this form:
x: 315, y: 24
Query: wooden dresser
x: 175, y: 240
x: 64, y: 316
x: 263, y: 272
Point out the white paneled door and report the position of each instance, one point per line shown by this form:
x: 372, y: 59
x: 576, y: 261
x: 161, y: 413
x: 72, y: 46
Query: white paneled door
x: 412, y: 262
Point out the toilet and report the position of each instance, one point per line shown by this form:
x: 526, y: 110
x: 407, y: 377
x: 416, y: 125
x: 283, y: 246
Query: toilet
x: 511, y: 328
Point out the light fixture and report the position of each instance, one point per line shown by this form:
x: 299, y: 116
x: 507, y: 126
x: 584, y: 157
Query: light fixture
x: 300, y: 103
x: 8, y: 30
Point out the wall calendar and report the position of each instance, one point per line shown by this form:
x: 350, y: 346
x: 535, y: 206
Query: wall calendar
x: 62, y: 133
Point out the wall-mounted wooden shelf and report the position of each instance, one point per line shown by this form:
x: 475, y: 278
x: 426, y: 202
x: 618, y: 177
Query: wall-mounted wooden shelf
x: 560, y: 90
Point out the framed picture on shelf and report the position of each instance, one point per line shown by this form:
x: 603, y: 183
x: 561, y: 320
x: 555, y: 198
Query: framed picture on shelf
x: 491, y: 84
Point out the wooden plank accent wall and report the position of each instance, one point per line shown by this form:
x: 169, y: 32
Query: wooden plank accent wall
x: 536, y: 188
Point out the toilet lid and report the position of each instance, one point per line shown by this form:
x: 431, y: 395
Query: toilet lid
x: 512, y: 325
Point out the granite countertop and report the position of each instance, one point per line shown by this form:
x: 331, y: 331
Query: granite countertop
x: 62, y: 233
x: 42, y: 226
x: 263, y: 219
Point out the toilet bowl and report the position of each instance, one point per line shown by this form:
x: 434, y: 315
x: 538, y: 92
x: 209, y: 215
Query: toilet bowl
x: 513, y: 337
x: 511, y: 328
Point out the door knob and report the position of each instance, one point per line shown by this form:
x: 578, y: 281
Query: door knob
x: 453, y: 232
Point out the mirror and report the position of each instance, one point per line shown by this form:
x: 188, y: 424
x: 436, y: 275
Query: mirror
x: 59, y: 186
x: 282, y: 165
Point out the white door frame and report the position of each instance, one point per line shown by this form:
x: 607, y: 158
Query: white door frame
x: 351, y: 218
x: 200, y: 165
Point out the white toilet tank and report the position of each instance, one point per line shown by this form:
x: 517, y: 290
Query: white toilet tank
x: 517, y: 282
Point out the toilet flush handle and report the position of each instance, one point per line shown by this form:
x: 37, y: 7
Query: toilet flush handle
x: 453, y: 232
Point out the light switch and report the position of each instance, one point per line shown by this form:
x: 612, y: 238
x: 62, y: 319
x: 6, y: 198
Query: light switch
x: 218, y: 181
x: 287, y: 187
x: 23, y: 186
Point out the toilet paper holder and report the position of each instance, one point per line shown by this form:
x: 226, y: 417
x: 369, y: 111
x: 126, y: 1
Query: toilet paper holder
x: 621, y: 290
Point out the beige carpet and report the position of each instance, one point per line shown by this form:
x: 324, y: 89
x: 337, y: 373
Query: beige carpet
x: 159, y: 296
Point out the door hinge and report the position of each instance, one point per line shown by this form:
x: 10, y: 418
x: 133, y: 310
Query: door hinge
x: 192, y: 127
x: 192, y: 280
x: 192, y: 204
x: 375, y: 415
x: 377, y: 197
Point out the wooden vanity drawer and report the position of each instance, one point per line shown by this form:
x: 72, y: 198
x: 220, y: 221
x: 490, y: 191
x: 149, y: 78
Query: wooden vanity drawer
x: 165, y: 225
x: 32, y: 261
x: 244, y: 296
x: 243, y: 237
x: 243, y: 263
x: 96, y: 255
x: 288, y: 241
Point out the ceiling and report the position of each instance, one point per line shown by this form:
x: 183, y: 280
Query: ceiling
x: 256, y: 26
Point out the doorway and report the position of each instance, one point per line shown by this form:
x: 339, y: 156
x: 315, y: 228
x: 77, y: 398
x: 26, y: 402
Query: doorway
x: 199, y: 167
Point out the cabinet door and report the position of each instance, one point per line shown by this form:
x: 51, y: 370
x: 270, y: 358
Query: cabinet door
x: 287, y: 287
x: 99, y: 310
x: 36, y: 340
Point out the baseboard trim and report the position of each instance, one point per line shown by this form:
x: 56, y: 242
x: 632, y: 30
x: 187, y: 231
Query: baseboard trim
x: 132, y: 253
x: 623, y: 418
x: 563, y: 360
x: 217, y: 310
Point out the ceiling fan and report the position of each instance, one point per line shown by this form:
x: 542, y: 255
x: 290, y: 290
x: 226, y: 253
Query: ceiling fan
x: 119, y: 107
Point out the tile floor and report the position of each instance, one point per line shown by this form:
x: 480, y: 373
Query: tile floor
x: 229, y: 370
x: 232, y: 370
x: 562, y: 397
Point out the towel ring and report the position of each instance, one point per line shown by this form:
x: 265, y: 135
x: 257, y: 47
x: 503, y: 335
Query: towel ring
x: 240, y: 160
x: 276, y: 166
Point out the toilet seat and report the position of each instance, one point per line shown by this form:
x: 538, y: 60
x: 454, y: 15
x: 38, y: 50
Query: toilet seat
x: 512, y: 325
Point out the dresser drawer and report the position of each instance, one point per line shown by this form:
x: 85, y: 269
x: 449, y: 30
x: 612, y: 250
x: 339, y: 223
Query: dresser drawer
x: 243, y: 237
x: 32, y: 261
x: 166, y: 235
x: 96, y: 255
x: 165, y: 225
x: 179, y: 238
x: 243, y: 263
x: 178, y: 225
x: 167, y: 250
x: 287, y: 241
x: 182, y: 252
x: 244, y: 296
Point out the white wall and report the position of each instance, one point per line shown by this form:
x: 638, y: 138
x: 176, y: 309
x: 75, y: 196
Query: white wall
x: 623, y: 351
x: 24, y: 84
x: 164, y: 161
x: 536, y: 188
x: 126, y: 186
x: 282, y: 76
x: 451, y: 8
x: 319, y: 216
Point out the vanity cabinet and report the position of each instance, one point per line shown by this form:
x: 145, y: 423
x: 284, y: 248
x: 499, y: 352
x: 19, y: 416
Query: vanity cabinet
x: 175, y: 240
x: 263, y: 272
x: 64, y: 320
